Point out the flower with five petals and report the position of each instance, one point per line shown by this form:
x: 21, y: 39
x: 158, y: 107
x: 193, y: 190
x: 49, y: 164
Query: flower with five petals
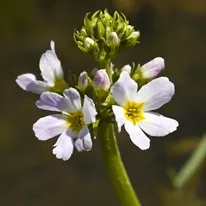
x: 135, y: 109
x: 71, y: 125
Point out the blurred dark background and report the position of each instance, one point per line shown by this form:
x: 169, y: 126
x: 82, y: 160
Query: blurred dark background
x: 30, y: 174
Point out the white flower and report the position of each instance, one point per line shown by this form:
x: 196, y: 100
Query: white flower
x: 71, y: 125
x: 51, y: 71
x: 134, y: 110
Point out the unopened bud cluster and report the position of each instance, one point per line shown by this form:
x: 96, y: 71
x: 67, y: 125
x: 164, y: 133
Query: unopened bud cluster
x: 103, y: 36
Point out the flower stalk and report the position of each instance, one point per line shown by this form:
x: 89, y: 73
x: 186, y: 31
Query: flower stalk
x: 111, y: 96
x: 111, y: 155
x: 115, y: 167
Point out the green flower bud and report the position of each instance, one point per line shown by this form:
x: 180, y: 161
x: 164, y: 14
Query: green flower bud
x: 103, y: 36
x: 129, y: 30
x: 132, y: 39
x: 83, y: 33
x: 134, y: 35
x: 113, y: 39
x: 88, y: 43
x: 100, y: 29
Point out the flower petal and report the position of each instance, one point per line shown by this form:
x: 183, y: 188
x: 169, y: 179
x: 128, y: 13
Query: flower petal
x: 127, y: 68
x: 156, y: 93
x: 66, y: 106
x: 84, y: 140
x: 79, y: 144
x: 50, y: 66
x: 50, y: 126
x: 119, y: 116
x: 49, y: 101
x: 89, y: 110
x: 158, y: 125
x: 86, y: 137
x: 64, y: 146
x: 29, y: 83
x: 124, y: 89
x: 52, y: 45
x: 74, y: 98
x: 137, y: 136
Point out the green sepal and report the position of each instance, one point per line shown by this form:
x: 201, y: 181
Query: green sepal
x: 137, y: 74
x: 95, y: 124
x: 100, y: 30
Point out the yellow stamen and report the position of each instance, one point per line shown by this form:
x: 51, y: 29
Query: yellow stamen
x: 134, y: 111
x: 75, y: 121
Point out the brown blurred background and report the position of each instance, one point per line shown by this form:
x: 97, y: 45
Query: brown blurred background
x: 30, y: 175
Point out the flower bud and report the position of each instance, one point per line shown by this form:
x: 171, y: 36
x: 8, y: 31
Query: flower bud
x: 101, y: 80
x: 83, y: 81
x: 129, y: 28
x: 152, y: 68
x: 100, y: 28
x: 83, y: 32
x: 113, y: 39
x: 88, y: 43
x: 134, y: 35
x: 127, y: 68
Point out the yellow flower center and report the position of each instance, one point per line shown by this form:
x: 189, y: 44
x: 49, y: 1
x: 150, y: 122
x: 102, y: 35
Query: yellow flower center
x: 134, y: 111
x: 75, y: 121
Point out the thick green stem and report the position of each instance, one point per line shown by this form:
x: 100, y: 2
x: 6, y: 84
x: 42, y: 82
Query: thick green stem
x: 115, y: 167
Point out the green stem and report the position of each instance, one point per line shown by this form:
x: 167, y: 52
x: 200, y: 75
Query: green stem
x: 115, y: 166
x: 191, y: 167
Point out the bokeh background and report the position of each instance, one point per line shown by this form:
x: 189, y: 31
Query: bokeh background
x: 29, y: 174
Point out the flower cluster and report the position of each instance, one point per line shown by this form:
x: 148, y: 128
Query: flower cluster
x: 127, y: 96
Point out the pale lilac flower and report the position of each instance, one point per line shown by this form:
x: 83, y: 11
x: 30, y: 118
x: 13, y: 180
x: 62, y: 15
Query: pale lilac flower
x: 135, y: 108
x: 152, y: 68
x: 71, y: 124
x: 51, y: 71
x: 101, y: 80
